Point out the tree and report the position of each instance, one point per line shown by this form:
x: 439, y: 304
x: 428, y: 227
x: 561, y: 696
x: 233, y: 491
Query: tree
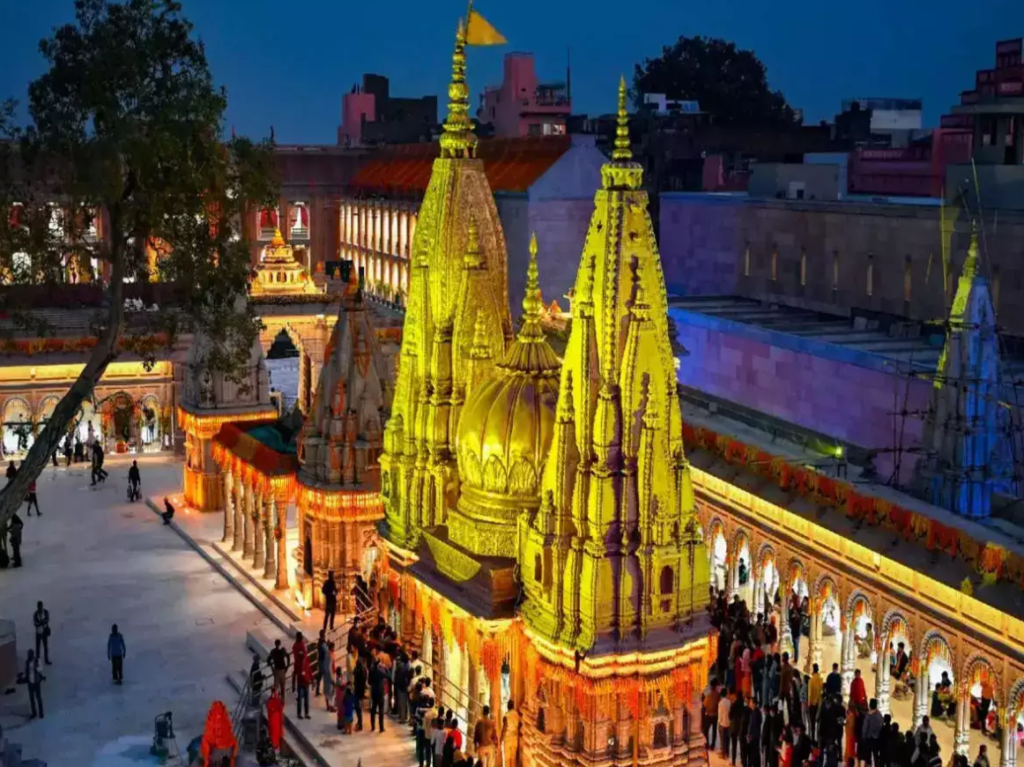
x: 729, y: 83
x: 124, y: 135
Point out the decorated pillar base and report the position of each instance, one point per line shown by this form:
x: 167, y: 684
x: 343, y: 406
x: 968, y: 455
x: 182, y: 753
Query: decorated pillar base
x: 281, y: 582
x: 270, y: 566
x: 203, y: 491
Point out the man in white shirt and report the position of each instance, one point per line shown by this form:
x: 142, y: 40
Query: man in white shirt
x: 34, y: 680
x: 724, y: 707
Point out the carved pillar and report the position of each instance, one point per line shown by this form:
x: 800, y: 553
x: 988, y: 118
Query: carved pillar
x: 247, y: 541
x: 282, y: 555
x: 270, y: 567
x: 921, y: 696
x: 259, y: 534
x: 1008, y: 738
x: 786, y: 638
x: 412, y: 231
x: 755, y: 576
x: 882, y: 678
x: 962, y: 730
x: 814, y: 640
x: 229, y: 508
x: 239, y: 506
x: 847, y: 656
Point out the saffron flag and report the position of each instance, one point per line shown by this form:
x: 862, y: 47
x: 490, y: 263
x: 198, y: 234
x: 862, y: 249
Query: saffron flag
x: 480, y: 32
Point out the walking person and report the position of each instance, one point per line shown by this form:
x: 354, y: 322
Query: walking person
x: 41, y: 620
x: 321, y: 656
x: 377, y: 679
x: 359, y: 681
x: 303, y: 679
x: 277, y: 659
x: 116, y: 652
x: 32, y: 500
x: 12, y: 471
x: 724, y: 722
x: 330, y: 591
x: 485, y: 738
x: 134, y: 482
x: 34, y: 680
x: 16, y: 525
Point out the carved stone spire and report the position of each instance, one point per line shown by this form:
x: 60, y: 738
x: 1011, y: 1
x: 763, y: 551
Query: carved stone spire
x: 458, y: 139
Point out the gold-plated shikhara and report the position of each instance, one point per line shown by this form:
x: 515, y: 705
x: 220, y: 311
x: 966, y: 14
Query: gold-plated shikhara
x: 570, y: 470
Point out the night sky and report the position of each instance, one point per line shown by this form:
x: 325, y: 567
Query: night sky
x: 287, y: 63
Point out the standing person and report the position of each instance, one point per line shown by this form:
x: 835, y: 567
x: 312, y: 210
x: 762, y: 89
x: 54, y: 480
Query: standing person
x: 485, y: 738
x: 834, y: 682
x: 330, y: 591
x: 753, y: 737
x: 858, y: 692
x: 401, y: 678
x: 277, y: 659
x: 14, y: 535
x: 12, y: 471
x: 984, y: 704
x: 41, y: 620
x: 32, y: 500
x: 982, y: 760
x: 724, y: 708
x: 255, y: 680
x: 321, y: 658
x: 738, y: 730
x: 871, y: 736
x: 34, y: 680
x: 303, y: 679
x: 710, y: 704
x: 68, y: 451
x: 135, y: 481
x: 298, y: 651
x: 377, y: 702
x: 359, y: 678
x: 510, y: 736
x: 438, y: 739
x: 814, y: 690
x: 116, y: 652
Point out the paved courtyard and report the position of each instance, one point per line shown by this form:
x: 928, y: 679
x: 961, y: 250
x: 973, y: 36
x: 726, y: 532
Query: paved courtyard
x: 95, y: 559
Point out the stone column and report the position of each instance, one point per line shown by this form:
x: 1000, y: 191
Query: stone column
x: 921, y: 697
x: 962, y: 728
x: 786, y: 638
x: 270, y: 567
x: 239, y: 506
x: 412, y: 230
x: 281, y: 516
x: 472, y: 691
x: 814, y: 639
x: 847, y: 656
x: 247, y: 542
x: 229, y: 510
x: 1008, y: 739
x: 259, y: 533
x: 882, y: 677
x: 758, y: 607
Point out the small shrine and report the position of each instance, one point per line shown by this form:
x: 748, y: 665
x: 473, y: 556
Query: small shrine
x: 210, y: 399
x: 279, y: 274
x: 338, y: 486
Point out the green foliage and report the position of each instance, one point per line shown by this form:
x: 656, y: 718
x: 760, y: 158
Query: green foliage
x: 729, y: 83
x: 125, y: 137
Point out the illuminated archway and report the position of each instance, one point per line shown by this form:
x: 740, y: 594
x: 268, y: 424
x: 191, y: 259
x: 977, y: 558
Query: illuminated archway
x: 17, y: 425
x: 150, y: 432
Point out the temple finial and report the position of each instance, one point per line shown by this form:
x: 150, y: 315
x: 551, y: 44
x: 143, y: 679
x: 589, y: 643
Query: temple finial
x: 622, y: 152
x: 533, y: 303
x: 480, y: 349
x: 458, y: 139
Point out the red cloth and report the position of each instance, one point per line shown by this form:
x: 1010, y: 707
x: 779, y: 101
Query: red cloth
x: 455, y: 735
x: 275, y: 718
x: 303, y: 670
x: 858, y: 693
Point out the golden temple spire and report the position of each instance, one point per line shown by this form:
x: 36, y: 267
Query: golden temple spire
x: 458, y: 139
x: 622, y: 152
x: 533, y: 302
x: 278, y: 241
x: 480, y: 350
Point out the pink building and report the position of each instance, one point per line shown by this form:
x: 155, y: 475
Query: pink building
x: 357, y: 107
x: 521, y: 106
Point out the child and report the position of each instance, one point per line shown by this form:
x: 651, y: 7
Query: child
x: 349, y: 713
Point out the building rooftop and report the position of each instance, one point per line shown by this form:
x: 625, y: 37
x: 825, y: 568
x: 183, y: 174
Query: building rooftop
x: 511, y: 165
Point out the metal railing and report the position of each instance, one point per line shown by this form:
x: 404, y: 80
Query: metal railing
x: 247, y: 702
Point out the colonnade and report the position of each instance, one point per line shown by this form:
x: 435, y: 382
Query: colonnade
x: 254, y: 523
x: 376, y: 235
x: 778, y: 570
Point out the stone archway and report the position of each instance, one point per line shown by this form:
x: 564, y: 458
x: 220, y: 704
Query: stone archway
x: 719, y: 555
x: 743, y: 570
x: 858, y: 635
x: 977, y: 701
x: 895, y: 648
x: 17, y: 426
x: 936, y: 660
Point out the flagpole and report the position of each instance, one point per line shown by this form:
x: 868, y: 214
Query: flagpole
x: 469, y: 12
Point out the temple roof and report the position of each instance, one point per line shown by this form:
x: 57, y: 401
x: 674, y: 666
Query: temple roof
x: 511, y: 165
x: 267, y: 447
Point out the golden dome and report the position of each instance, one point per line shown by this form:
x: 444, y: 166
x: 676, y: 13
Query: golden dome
x: 504, y: 434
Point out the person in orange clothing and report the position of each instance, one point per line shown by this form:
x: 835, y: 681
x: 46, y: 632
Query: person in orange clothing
x: 858, y: 693
x: 303, y: 680
x: 298, y: 651
x: 275, y: 718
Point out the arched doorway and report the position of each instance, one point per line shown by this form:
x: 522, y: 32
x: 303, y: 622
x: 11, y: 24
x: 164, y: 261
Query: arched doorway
x: 120, y: 421
x: 283, y: 366
x: 45, y: 411
x: 936, y: 691
x: 150, y: 431
x: 88, y: 425
x: 17, y: 424
x: 719, y: 556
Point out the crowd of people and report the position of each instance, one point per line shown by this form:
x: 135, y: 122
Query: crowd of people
x: 760, y: 711
x: 374, y: 673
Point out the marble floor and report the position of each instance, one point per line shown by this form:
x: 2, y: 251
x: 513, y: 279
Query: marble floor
x: 95, y: 559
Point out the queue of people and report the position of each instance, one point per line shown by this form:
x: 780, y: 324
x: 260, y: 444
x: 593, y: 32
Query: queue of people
x: 375, y: 674
x: 760, y: 711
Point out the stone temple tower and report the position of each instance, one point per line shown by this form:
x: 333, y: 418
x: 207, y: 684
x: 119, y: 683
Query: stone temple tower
x: 967, y: 454
x: 458, y: 295
x: 613, y: 567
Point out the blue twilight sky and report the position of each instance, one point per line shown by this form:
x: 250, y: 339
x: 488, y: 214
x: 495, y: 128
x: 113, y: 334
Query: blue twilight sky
x: 287, y: 63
